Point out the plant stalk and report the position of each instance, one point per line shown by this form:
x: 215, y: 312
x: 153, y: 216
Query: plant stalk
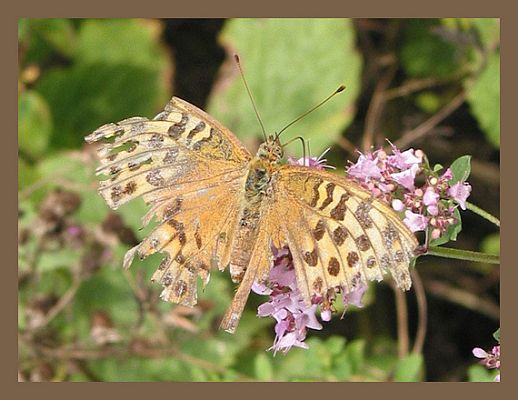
x: 484, y: 214
x: 467, y: 255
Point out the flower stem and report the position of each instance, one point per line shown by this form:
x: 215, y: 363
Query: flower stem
x: 402, y: 323
x: 476, y: 256
x: 483, y: 213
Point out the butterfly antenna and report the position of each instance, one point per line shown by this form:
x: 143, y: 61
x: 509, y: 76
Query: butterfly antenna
x: 303, y: 146
x: 309, y: 153
x: 340, y: 89
x: 236, y: 58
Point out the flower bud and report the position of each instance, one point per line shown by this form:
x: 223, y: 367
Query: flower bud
x: 325, y: 315
x: 398, y: 205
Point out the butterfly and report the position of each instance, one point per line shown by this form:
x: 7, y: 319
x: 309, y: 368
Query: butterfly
x: 218, y: 206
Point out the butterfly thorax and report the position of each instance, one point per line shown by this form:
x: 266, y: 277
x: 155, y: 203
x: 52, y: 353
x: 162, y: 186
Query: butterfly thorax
x: 263, y: 165
x: 260, y: 172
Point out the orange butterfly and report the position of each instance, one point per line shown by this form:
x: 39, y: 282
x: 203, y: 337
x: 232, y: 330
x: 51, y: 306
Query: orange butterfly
x: 218, y: 206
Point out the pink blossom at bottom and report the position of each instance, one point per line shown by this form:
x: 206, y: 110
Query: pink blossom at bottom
x: 287, y: 305
x: 355, y: 297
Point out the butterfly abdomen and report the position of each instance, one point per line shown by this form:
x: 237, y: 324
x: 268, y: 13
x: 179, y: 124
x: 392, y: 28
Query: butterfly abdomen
x: 249, y: 218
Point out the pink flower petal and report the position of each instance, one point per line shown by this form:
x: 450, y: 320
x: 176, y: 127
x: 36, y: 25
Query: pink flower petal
x: 415, y: 222
x: 406, y: 178
x: 281, y: 327
x: 286, y: 342
x: 398, y: 205
x: 261, y: 289
x: 448, y: 174
x: 430, y: 197
x: 310, y: 319
x: 365, y: 168
x: 433, y: 210
x: 460, y: 192
x: 355, y: 297
x: 312, y: 162
x: 265, y: 310
x: 283, y: 276
x: 404, y: 160
x: 479, y: 353
x: 325, y: 315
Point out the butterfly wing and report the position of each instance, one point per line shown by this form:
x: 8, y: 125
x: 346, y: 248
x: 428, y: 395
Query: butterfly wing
x: 190, y: 169
x: 338, y: 234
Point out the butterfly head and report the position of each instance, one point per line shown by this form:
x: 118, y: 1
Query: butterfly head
x: 271, y: 150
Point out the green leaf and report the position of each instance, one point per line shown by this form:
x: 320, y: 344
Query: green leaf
x: 437, y: 167
x: 409, y: 369
x: 452, y: 231
x: 477, y: 373
x: 383, y: 350
x: 108, y: 291
x: 496, y: 335
x: 43, y: 38
x: 120, y: 72
x: 132, y: 213
x: 488, y: 30
x: 491, y: 244
x: 34, y: 123
x: 424, y: 53
x: 121, y: 41
x: 263, y: 367
x: 58, y: 33
x: 62, y: 258
x: 22, y: 319
x: 69, y: 171
x: 323, y: 360
x: 142, y: 370
x: 484, y: 99
x: 290, y: 65
x: 27, y: 174
x: 356, y: 354
x: 429, y: 101
x: 88, y: 95
x: 461, y: 168
x: 23, y: 29
x: 198, y: 374
x: 68, y: 166
x: 343, y: 369
x: 56, y: 282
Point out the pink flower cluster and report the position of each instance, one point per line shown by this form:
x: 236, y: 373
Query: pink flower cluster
x: 392, y: 178
x: 287, y: 306
x: 491, y: 360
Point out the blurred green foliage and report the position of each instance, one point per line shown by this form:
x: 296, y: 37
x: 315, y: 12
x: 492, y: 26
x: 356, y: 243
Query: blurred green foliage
x: 288, y: 76
x: 76, y: 75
